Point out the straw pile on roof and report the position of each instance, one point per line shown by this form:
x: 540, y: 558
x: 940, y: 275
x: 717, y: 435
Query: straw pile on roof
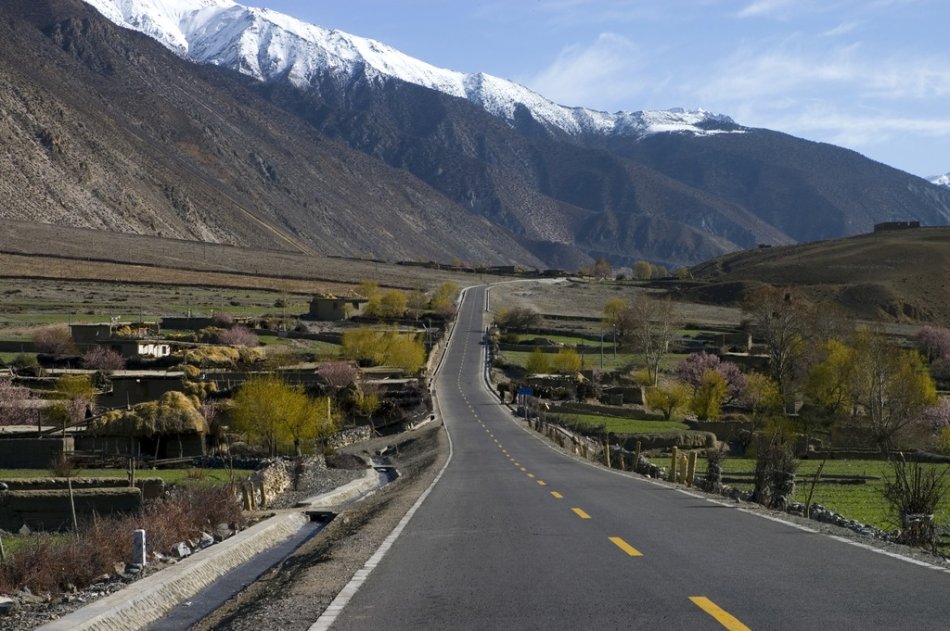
x: 222, y: 356
x: 173, y: 413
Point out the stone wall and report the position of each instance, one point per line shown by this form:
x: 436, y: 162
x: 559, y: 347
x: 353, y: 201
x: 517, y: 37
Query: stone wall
x: 350, y: 436
x: 32, y: 453
x: 151, y: 488
x: 724, y: 430
x: 604, y: 410
x: 271, y: 481
x: 686, y: 439
x: 51, y: 510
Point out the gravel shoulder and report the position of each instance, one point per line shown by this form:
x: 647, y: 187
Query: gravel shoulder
x: 292, y: 596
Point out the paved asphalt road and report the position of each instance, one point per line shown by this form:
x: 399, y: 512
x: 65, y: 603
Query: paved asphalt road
x: 518, y: 536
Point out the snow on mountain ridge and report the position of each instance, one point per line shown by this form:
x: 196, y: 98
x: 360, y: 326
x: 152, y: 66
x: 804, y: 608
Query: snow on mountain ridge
x: 269, y: 45
x: 941, y: 180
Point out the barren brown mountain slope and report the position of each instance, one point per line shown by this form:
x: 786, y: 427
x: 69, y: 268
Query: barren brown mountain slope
x: 103, y: 128
x: 901, y: 275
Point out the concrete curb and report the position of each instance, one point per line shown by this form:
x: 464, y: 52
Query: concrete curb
x: 145, y: 601
x: 344, y: 493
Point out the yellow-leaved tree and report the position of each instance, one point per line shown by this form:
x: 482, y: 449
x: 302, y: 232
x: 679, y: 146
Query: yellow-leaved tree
x: 538, y: 362
x: 443, y: 299
x: 669, y: 398
x: 273, y: 413
x: 708, y: 397
x: 567, y: 361
x: 392, y: 348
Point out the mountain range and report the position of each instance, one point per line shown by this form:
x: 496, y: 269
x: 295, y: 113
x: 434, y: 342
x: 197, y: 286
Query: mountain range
x: 237, y: 125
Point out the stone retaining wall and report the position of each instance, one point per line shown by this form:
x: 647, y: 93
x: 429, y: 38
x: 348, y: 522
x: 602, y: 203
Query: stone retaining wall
x: 32, y: 453
x: 151, y: 488
x: 350, y: 436
x: 51, y: 510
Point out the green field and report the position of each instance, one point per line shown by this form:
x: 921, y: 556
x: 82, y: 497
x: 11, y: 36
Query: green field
x: 13, y: 543
x: 318, y: 349
x: 623, y: 425
x: 170, y: 476
x: 181, y: 477
x: 861, y: 502
x: 10, y: 357
x: 566, y: 340
x: 593, y: 360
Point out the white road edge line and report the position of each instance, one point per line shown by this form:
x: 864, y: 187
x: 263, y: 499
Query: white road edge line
x: 329, y: 616
x: 753, y: 513
x: 335, y: 608
x: 893, y: 555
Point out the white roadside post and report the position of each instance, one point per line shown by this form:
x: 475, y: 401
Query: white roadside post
x: 138, y: 548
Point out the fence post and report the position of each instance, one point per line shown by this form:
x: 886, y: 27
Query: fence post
x: 636, y: 458
x: 682, y: 467
x: 691, y: 469
x: 674, y: 462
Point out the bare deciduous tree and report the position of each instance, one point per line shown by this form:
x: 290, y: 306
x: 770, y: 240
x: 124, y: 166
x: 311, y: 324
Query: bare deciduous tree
x: 779, y: 319
x: 55, y: 340
x: 237, y: 336
x: 890, y: 388
x: 338, y: 375
x: 14, y: 404
x: 517, y: 318
x: 653, y: 323
x: 102, y: 358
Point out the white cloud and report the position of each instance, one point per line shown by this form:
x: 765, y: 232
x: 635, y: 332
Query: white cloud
x: 567, y: 15
x: 606, y: 74
x: 750, y: 74
x: 842, y: 29
x: 857, y: 129
x: 906, y: 78
x: 841, y: 72
x: 766, y: 8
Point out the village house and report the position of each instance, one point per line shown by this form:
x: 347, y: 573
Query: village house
x: 334, y: 308
x: 129, y: 340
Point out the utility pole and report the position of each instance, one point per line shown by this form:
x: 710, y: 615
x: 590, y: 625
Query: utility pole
x: 601, y: 346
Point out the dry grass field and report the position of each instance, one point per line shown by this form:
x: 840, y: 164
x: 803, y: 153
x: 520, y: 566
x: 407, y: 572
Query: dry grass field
x: 587, y: 299
x: 50, y: 274
x: 894, y: 276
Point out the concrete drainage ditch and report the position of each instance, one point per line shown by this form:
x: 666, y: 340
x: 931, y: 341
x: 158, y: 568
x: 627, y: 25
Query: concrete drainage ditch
x: 182, y: 594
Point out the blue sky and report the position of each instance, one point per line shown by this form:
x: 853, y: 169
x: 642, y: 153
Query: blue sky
x: 870, y: 75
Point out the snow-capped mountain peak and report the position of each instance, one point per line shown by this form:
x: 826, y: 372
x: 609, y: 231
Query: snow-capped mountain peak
x: 941, y: 180
x: 273, y: 46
